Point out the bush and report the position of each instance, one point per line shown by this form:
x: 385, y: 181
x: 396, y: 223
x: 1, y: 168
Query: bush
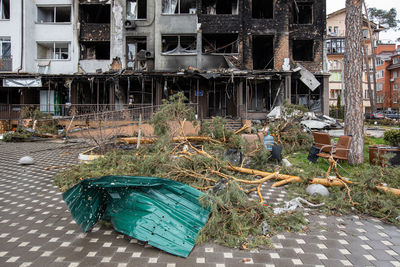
x: 337, y: 112
x: 392, y: 137
x: 20, y: 135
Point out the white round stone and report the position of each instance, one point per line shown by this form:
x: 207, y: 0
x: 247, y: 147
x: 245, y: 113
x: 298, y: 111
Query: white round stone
x: 26, y: 160
x: 317, y: 189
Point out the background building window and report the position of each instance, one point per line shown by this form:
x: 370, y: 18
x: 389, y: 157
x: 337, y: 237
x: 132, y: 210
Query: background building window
x: 4, y: 9
x: 54, y: 14
x: 395, y: 74
x: 335, y: 46
x: 52, y: 50
x: 380, y: 74
x: 379, y: 87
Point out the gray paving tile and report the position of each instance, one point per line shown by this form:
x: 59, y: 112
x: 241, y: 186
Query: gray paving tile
x: 36, y: 228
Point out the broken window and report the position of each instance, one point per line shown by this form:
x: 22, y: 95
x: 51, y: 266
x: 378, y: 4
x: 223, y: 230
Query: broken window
x: 303, y: 50
x: 213, y: 7
x: 263, y: 52
x: 136, y: 53
x: 302, y: 13
x: 95, y: 13
x: 220, y: 44
x: 95, y: 50
x: 136, y: 9
x: 54, y: 14
x: 179, y: 45
x: 4, y: 9
x: 335, y: 46
x: 179, y: 6
x: 5, y: 47
x: 52, y: 50
x: 263, y: 9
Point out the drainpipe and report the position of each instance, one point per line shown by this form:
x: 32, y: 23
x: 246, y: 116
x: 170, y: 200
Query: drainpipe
x: 22, y: 36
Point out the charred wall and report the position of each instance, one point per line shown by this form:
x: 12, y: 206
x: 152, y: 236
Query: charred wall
x: 290, y: 21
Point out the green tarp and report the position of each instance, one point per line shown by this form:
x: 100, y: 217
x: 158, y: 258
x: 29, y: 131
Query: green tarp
x: 162, y: 212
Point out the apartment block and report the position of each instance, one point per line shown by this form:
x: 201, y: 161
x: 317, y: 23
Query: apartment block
x: 336, y: 46
x: 231, y: 58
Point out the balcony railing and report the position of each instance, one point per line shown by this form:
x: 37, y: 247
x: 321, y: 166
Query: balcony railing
x: 6, y: 64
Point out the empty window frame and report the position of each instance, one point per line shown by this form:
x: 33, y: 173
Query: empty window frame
x: 95, y: 50
x: 53, y: 50
x: 5, y: 47
x: 179, y: 6
x: 213, y: 7
x: 302, y: 13
x: 263, y: 52
x: 262, y: 9
x: 136, y: 53
x: 4, y: 9
x: 136, y: 9
x: 179, y: 45
x: 220, y: 43
x: 336, y: 46
x: 57, y: 14
x: 303, y: 50
x: 95, y: 13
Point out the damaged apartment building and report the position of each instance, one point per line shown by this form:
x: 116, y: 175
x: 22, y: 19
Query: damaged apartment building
x: 231, y: 58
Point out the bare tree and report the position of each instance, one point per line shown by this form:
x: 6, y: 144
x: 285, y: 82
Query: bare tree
x: 354, y: 121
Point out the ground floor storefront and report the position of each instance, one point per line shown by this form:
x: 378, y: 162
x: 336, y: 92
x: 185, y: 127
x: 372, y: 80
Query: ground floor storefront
x: 239, y: 95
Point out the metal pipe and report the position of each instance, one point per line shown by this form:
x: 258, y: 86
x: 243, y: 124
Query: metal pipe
x: 22, y: 37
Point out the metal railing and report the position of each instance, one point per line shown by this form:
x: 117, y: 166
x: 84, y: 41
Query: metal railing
x: 83, y: 111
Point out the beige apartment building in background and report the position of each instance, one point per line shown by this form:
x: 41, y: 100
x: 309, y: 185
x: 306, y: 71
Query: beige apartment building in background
x: 336, y: 34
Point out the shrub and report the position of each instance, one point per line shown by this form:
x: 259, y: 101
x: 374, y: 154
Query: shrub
x: 392, y: 137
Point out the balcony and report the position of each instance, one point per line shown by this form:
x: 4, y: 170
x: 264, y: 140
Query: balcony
x: 6, y: 64
x: 95, y: 32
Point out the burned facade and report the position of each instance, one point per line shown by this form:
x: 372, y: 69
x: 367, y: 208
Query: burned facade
x: 233, y: 58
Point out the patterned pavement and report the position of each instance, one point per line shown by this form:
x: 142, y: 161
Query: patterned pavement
x: 36, y: 228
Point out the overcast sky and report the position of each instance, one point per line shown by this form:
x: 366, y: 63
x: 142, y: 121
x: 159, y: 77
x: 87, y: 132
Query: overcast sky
x: 333, y: 5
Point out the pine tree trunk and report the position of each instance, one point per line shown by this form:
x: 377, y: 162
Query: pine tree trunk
x: 354, y: 121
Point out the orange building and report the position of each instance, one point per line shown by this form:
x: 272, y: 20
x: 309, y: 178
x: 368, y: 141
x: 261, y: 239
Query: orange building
x: 387, y: 75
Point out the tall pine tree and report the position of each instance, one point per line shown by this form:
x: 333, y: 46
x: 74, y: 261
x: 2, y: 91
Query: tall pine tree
x: 354, y: 121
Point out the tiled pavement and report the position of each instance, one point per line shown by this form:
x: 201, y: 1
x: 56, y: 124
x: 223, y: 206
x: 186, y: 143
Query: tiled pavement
x: 36, y: 228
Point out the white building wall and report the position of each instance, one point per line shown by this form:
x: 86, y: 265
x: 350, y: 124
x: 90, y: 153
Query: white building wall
x: 49, y: 32
x: 12, y: 28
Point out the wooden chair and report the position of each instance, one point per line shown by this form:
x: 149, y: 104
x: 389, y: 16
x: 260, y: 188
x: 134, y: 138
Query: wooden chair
x: 340, y: 151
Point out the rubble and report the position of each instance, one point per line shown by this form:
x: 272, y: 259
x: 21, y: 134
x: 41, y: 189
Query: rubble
x: 294, y: 204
